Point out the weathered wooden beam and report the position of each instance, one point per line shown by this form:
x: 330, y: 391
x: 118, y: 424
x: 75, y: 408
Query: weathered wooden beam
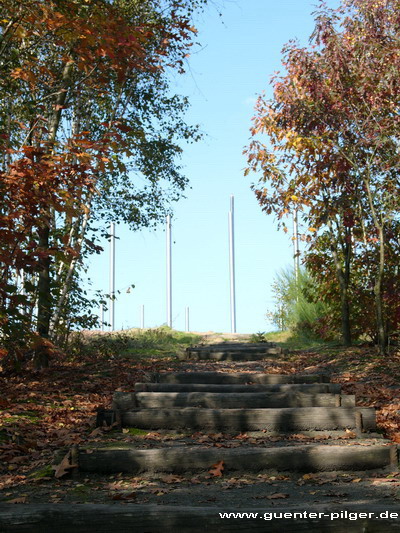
x: 178, y: 459
x: 240, y: 377
x: 309, y: 388
x: 284, y: 419
x: 233, y: 346
x: 210, y: 400
x: 226, y: 355
x: 139, y: 518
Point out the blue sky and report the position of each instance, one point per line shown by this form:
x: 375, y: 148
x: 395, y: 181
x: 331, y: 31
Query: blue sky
x: 240, y: 52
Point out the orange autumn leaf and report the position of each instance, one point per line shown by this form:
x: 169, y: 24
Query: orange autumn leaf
x: 217, y: 469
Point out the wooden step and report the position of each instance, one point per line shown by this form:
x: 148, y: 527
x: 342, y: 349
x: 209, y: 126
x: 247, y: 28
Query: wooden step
x: 178, y: 459
x: 284, y: 419
x: 308, y: 388
x: 139, y: 518
x: 231, y: 355
x: 240, y: 377
x: 210, y: 400
x: 231, y: 346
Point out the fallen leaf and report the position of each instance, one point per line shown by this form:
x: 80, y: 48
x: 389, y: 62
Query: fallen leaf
x: 153, y: 435
x: 158, y: 492
x: 64, y: 467
x: 217, y: 469
x: 277, y: 496
x: 96, y: 432
x: 378, y: 481
x: 170, y: 478
x: 21, y: 499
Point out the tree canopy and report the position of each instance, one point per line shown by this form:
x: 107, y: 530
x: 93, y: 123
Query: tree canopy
x: 333, y: 152
x: 91, y: 130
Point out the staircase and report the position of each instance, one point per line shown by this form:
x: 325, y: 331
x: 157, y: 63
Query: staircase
x: 283, y: 424
x: 234, y: 403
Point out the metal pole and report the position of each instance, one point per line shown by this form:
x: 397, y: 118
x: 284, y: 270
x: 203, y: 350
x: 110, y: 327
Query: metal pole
x: 169, y: 273
x: 296, y: 255
x: 232, y: 264
x: 102, y: 316
x: 112, y: 276
x: 187, y: 319
x: 142, y: 317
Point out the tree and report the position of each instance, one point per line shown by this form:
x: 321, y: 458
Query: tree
x: 85, y: 101
x: 332, y: 126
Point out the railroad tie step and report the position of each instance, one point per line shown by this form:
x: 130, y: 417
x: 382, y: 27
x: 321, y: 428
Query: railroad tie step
x: 182, y: 459
x: 310, y: 388
x: 225, y: 400
x: 238, y: 378
x: 96, y: 518
x: 232, y: 346
x: 228, y: 355
x: 284, y: 419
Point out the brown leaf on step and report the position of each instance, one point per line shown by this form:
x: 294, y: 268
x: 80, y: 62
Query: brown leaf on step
x: 170, y: 478
x: 349, y: 434
x: 124, y: 496
x: 96, y: 432
x: 158, y: 492
x: 153, y: 435
x: 64, y: 467
x: 379, y: 481
x: 217, y: 469
x: 357, y: 480
x: 106, y: 428
x: 21, y: 499
x: 322, y: 437
x: 277, y: 496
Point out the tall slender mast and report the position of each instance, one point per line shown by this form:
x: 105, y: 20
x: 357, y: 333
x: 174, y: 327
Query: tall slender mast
x: 296, y: 253
x: 187, y: 319
x: 112, y: 276
x: 169, y: 272
x: 232, y: 263
x: 102, y: 317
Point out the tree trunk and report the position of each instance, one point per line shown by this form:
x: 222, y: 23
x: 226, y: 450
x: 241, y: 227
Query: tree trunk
x: 345, y: 315
x: 378, y: 287
x: 378, y: 290
x: 343, y: 276
x: 44, y: 286
x: 44, y: 296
